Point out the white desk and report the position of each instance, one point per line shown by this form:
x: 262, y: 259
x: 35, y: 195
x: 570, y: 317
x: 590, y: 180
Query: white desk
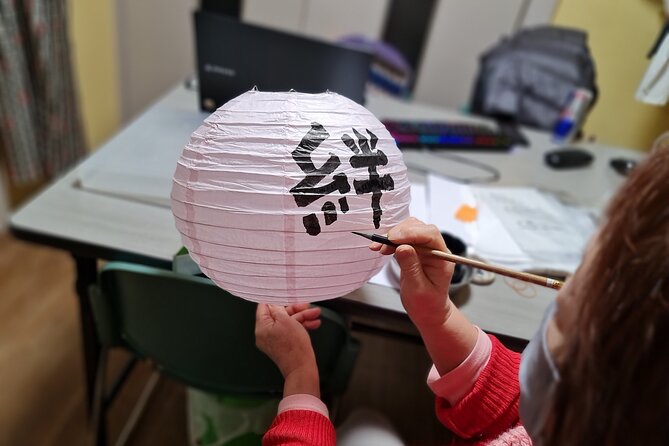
x: 93, y: 225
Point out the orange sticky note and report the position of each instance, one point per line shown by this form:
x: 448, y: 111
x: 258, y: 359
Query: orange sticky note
x: 466, y: 213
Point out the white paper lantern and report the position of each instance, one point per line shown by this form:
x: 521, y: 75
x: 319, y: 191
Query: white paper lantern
x: 268, y: 189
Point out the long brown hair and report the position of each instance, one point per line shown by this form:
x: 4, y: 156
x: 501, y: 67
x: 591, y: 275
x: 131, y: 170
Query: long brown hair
x: 614, y: 387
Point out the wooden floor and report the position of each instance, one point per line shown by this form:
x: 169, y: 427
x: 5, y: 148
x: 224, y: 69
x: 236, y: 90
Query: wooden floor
x: 41, y: 370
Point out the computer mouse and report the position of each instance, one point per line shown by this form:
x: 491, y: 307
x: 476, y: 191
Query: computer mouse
x: 622, y: 165
x: 568, y: 158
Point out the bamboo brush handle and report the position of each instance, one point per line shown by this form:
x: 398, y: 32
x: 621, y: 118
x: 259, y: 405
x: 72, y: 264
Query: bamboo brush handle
x: 526, y: 277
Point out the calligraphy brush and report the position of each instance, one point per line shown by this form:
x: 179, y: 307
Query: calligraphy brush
x: 525, y: 277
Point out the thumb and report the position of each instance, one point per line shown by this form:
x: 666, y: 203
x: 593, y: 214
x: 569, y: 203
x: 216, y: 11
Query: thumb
x: 262, y: 312
x: 410, y: 265
x: 277, y: 312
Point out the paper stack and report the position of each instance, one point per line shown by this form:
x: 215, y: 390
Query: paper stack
x: 518, y: 227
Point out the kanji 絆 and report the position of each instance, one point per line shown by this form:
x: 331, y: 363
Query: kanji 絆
x: 364, y: 155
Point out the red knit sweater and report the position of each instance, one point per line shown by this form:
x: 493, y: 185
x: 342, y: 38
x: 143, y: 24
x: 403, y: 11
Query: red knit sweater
x: 485, y: 413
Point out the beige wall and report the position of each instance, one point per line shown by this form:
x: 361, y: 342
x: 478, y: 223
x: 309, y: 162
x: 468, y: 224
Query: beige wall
x: 126, y: 53
x: 460, y: 31
x: 620, y: 34
x: 93, y: 38
x: 155, y: 50
x: 321, y: 19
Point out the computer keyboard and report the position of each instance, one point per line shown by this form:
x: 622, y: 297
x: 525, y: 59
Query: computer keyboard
x: 452, y: 135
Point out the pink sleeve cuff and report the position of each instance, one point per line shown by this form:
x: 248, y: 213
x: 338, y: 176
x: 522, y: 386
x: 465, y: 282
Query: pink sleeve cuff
x: 303, y: 401
x: 458, y: 382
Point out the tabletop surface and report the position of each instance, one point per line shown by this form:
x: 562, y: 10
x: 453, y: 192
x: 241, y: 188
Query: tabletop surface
x: 136, y: 219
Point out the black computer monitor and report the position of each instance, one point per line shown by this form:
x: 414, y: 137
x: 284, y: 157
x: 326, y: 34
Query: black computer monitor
x: 233, y: 57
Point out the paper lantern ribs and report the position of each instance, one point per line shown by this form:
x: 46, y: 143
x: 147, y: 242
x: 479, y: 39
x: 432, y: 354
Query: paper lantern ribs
x: 268, y: 189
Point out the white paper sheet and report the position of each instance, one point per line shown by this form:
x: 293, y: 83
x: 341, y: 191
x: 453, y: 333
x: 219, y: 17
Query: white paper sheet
x: 519, y: 227
x: 654, y: 87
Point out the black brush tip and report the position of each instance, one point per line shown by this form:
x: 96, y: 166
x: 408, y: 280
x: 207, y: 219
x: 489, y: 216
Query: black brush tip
x: 362, y: 234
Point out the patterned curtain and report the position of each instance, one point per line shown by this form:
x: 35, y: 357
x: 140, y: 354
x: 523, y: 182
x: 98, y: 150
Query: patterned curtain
x: 40, y: 129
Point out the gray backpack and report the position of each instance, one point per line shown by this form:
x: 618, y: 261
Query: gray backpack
x: 528, y: 78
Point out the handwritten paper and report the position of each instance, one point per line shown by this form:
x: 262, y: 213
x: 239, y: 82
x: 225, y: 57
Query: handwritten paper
x: 519, y: 227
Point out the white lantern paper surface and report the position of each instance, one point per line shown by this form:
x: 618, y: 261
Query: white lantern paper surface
x: 268, y: 189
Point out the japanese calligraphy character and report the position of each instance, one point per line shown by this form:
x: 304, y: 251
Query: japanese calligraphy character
x: 366, y: 155
x: 307, y: 191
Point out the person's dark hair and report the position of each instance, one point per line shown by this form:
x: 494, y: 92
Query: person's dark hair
x: 614, y: 387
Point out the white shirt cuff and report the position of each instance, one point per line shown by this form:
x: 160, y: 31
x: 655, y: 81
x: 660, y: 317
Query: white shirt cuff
x: 303, y: 401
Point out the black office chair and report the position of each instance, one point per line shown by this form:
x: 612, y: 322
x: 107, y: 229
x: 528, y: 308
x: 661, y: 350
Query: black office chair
x: 201, y: 335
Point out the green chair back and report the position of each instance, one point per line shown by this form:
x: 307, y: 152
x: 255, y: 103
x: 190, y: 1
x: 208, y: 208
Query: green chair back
x: 203, y: 335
